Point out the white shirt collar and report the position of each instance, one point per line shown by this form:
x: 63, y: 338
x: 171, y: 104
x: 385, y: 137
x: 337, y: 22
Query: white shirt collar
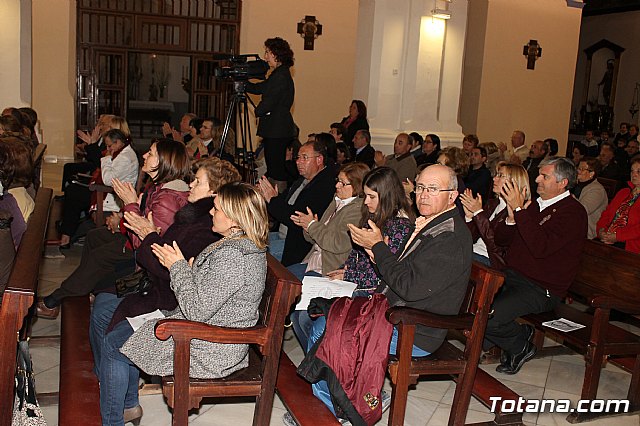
x: 546, y: 203
x: 341, y: 202
x: 519, y: 148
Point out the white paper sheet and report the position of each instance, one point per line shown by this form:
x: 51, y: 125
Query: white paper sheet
x: 323, y: 287
x: 563, y: 325
x: 136, y: 322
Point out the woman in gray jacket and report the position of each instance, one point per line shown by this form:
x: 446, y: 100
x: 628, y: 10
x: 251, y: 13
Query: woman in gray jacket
x: 223, y: 286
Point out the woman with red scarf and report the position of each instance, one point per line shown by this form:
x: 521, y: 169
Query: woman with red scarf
x: 619, y: 224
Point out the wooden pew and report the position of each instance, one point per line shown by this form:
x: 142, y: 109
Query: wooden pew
x: 306, y: 409
x: 608, y: 278
x: 19, y: 296
x: 265, y: 339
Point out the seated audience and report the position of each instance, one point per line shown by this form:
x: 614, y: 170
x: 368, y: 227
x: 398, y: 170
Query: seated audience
x: 362, y: 151
x: 478, y: 178
x: 610, y: 167
x: 120, y: 162
x: 590, y: 192
x: 578, y: 152
x: 109, y: 254
x: 552, y: 146
x: 343, y: 154
x: 430, y: 150
x: 469, y: 142
x: 494, y: 156
x: 19, y: 166
x: 455, y: 158
x: 591, y: 144
x: 431, y: 270
x: 618, y: 224
x: 338, y: 132
x: 518, y: 152
x: 401, y: 160
x: 387, y: 207
x: 544, y: 240
x: 330, y: 235
x: 314, y: 190
x: 537, y: 152
x: 416, y: 148
x: 210, y: 291
x: 483, y: 221
x: 191, y: 231
x: 184, y: 134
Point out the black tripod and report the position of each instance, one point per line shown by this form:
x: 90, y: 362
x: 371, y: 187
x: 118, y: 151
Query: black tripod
x: 240, y: 106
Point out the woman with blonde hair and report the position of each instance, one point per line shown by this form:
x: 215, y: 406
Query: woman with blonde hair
x: 482, y: 222
x: 222, y: 286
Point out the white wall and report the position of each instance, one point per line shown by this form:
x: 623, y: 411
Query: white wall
x: 15, y: 45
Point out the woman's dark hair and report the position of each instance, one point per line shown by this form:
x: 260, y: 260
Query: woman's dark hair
x: 343, y: 148
x: 281, y: 50
x: 16, y: 163
x: 330, y: 142
x: 117, y: 135
x: 580, y: 147
x: 362, y: 108
x: 391, y: 197
x: 356, y: 173
x: 552, y: 146
x: 436, y: 141
x: 417, y: 138
x: 196, y: 123
x: 173, y: 161
x: 339, y: 128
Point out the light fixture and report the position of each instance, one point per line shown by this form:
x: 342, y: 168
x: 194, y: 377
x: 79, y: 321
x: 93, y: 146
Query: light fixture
x: 441, y: 14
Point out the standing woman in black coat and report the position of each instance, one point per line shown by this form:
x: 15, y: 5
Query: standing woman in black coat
x: 356, y: 120
x: 276, y: 126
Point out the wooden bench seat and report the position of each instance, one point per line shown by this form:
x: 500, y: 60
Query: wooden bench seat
x: 607, y: 279
x: 306, y: 409
x: 19, y: 296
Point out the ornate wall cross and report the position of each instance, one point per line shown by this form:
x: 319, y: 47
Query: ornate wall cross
x: 532, y: 51
x: 309, y: 29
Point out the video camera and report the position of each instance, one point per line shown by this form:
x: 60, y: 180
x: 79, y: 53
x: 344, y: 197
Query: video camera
x: 241, y: 69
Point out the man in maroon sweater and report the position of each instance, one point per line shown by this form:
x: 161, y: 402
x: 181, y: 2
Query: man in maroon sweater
x: 545, y: 238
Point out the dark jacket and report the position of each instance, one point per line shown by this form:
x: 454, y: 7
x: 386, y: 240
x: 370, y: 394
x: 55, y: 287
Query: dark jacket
x: 365, y: 156
x: 352, y: 356
x: 274, y: 110
x: 480, y: 182
x: 316, y: 195
x: 431, y: 273
x: 481, y: 227
x: 359, y: 123
x: 192, y: 231
x: 545, y: 246
x: 428, y: 158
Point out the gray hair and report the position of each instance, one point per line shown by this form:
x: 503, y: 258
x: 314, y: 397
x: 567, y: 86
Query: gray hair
x: 453, y: 178
x: 563, y: 169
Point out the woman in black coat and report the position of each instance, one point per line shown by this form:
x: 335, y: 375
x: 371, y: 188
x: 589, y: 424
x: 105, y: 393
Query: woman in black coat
x: 356, y: 120
x: 276, y: 126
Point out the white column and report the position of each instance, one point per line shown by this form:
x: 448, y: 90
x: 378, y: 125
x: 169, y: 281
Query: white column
x: 409, y: 68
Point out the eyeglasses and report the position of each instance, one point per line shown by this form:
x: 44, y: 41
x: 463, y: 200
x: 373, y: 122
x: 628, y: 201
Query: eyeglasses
x: 584, y: 169
x: 305, y: 157
x: 501, y: 175
x: 342, y: 183
x: 431, y: 190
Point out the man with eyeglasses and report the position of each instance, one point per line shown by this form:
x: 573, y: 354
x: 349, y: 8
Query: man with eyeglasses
x: 544, y: 240
x: 314, y: 190
x: 431, y: 270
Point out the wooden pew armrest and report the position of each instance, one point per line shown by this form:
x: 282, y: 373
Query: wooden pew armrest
x: 412, y: 316
x: 183, y: 330
x: 610, y: 302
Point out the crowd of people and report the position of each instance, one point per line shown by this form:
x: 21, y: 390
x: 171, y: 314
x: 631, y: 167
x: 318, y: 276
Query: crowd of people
x: 403, y: 227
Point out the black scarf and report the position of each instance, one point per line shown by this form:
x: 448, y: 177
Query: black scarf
x: 577, y: 190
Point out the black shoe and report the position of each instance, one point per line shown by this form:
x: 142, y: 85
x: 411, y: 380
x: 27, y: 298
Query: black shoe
x: 505, y: 362
x: 518, y: 360
x: 529, y: 331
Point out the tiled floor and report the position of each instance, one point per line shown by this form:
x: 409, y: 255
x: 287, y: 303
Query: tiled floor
x: 557, y: 377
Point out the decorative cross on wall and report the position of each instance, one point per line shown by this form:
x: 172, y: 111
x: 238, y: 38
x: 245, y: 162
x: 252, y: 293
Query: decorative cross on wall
x: 532, y: 51
x: 309, y: 29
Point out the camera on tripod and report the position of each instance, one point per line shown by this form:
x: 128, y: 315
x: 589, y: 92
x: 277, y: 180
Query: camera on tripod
x: 241, y: 68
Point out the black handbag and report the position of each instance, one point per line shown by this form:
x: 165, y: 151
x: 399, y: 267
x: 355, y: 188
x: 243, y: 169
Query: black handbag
x: 26, y: 411
x: 138, y: 282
